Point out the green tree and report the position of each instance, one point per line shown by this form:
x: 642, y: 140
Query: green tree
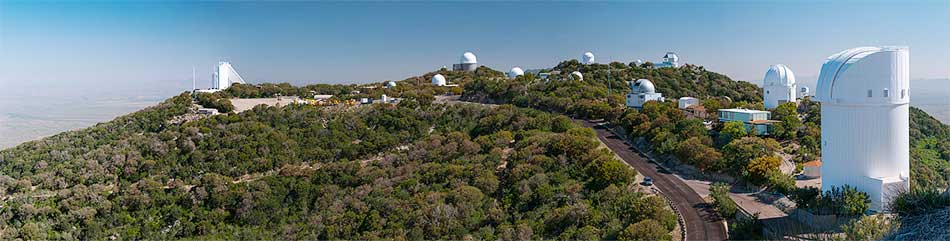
x: 759, y: 169
x: 645, y: 230
x: 732, y: 130
x: 721, y: 200
x: 738, y: 153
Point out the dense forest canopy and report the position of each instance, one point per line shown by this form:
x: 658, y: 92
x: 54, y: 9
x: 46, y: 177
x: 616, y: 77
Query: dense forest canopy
x: 304, y: 172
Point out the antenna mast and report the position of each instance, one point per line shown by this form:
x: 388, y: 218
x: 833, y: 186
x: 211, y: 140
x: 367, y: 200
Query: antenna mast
x: 193, y: 86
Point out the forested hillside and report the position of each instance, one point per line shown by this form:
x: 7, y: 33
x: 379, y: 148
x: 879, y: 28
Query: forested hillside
x: 415, y: 171
x: 930, y: 151
x: 589, y: 98
x: 673, y: 133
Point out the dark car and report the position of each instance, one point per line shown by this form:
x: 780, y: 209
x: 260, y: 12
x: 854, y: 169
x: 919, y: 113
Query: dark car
x: 647, y: 181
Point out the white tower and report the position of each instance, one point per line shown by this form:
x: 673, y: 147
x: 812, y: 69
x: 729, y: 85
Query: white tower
x: 587, y: 58
x: 778, y: 86
x: 515, y: 72
x: 438, y: 80
x: 224, y: 75
x: 865, y: 121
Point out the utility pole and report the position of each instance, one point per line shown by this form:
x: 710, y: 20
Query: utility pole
x: 608, y: 80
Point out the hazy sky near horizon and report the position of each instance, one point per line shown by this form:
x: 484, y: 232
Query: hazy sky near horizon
x: 124, y: 43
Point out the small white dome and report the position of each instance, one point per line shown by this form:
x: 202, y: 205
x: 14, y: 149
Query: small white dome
x: 638, y: 62
x: 577, y: 75
x: 515, y: 72
x: 643, y: 86
x: 805, y: 90
x: 588, y: 58
x: 468, y: 58
x: 390, y: 84
x: 438, y: 80
x: 779, y: 74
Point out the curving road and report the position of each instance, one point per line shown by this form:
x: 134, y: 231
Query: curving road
x: 702, y: 222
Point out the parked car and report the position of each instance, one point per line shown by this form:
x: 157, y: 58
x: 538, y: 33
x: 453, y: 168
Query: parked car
x: 647, y: 181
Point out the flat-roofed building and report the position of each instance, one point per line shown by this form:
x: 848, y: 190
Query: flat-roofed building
x: 756, y: 121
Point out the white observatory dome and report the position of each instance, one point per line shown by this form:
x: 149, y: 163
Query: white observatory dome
x: 638, y: 62
x: 805, y: 90
x: 468, y: 58
x: 865, y: 124
x: 390, y: 84
x: 587, y: 58
x: 778, y: 86
x: 577, y: 75
x: 643, y: 86
x: 779, y: 74
x: 438, y: 80
x: 515, y: 72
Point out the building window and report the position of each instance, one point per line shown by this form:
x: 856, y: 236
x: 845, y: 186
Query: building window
x: 885, y: 93
x: 903, y: 93
x: 766, y: 92
x: 869, y: 93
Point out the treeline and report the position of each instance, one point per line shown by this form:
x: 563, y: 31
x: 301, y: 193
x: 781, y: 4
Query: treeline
x: 413, y: 171
x: 602, y: 96
x: 412, y: 86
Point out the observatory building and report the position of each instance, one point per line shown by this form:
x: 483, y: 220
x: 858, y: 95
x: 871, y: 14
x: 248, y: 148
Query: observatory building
x: 468, y: 62
x: 778, y: 86
x: 670, y: 60
x: 642, y: 91
x: 515, y: 72
x: 390, y: 84
x: 576, y: 75
x: 588, y: 58
x: 223, y: 77
x: 438, y: 80
x: 865, y: 121
x: 805, y: 91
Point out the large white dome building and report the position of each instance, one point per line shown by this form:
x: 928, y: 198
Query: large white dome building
x: 865, y: 141
x: 515, y: 72
x: 642, y: 91
x: 778, y: 86
x: 468, y: 62
x: 588, y: 58
x: 438, y: 80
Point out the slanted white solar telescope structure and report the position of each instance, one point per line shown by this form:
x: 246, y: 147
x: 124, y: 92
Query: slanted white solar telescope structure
x: 225, y: 75
x: 865, y: 140
x: 778, y: 86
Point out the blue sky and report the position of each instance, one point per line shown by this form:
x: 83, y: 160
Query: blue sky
x: 125, y: 43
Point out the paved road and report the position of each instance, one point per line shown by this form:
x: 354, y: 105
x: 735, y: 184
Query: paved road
x: 702, y: 222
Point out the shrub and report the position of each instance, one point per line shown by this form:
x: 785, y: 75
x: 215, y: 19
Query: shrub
x: 646, y: 230
x: 869, y: 228
x: 724, y: 205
